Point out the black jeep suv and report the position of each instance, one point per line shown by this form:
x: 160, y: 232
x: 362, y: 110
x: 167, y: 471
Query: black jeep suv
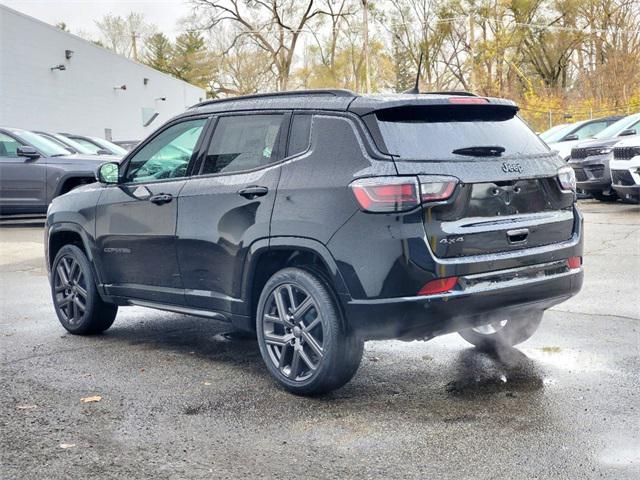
x: 321, y: 219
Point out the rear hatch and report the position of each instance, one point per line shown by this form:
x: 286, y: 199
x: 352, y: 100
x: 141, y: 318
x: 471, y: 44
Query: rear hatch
x: 508, y: 196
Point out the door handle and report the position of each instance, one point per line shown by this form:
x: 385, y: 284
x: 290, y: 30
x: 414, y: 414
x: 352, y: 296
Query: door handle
x: 161, y: 198
x: 254, y: 191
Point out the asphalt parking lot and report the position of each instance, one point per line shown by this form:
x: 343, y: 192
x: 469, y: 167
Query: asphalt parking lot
x: 180, y: 398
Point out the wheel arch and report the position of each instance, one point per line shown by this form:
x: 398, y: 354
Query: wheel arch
x: 268, y: 256
x: 71, y: 178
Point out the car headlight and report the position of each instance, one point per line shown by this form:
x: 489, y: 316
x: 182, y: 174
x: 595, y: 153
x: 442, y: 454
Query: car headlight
x: 567, y: 178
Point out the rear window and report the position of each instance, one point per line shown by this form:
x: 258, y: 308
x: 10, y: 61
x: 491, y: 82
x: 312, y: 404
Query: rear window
x: 433, y: 133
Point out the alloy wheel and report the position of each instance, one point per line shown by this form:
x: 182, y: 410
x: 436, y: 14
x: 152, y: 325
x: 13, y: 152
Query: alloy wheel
x: 293, y: 332
x: 70, y: 290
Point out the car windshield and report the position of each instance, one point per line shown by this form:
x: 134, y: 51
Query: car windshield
x: 116, y: 149
x: 557, y: 135
x: 45, y: 146
x: 552, y: 131
x: 75, y: 145
x: 54, y: 140
x: 453, y: 133
x: 620, y: 126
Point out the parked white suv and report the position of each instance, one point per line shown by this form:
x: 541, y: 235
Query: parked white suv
x: 625, y: 169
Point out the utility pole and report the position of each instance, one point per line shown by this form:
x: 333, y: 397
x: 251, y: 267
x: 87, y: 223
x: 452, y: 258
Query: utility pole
x: 472, y: 51
x: 134, y: 46
x: 365, y: 21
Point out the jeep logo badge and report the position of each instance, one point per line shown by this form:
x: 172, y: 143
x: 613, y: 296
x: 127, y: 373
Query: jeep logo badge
x: 511, y: 167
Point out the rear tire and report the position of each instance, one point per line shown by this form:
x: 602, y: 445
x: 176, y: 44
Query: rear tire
x: 605, y: 197
x: 302, y: 335
x: 503, y: 334
x: 78, y: 304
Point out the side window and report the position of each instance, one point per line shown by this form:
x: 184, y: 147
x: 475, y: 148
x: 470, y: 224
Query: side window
x: 242, y: 142
x: 167, y: 155
x: 300, y: 134
x: 8, y: 146
x: 590, y: 130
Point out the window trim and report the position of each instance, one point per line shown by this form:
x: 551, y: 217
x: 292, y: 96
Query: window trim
x: 280, y: 150
x: 299, y: 113
x: 195, y: 155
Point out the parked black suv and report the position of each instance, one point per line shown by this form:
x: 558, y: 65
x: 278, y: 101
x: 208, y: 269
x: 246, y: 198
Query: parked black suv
x: 321, y: 219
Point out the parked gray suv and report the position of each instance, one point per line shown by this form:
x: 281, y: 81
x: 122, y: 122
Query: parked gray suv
x: 34, y: 170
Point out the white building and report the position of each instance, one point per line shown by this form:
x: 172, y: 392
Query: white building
x: 55, y: 81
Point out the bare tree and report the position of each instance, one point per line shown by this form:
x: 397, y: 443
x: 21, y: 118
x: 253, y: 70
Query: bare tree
x: 275, y: 26
x: 123, y: 35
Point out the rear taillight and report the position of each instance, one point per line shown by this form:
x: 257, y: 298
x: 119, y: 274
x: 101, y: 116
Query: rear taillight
x: 467, y: 100
x: 386, y: 194
x: 439, y: 285
x: 400, y: 194
x: 574, y: 262
x: 567, y: 178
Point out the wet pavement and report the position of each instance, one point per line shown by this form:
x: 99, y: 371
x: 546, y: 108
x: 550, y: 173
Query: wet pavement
x: 182, y: 399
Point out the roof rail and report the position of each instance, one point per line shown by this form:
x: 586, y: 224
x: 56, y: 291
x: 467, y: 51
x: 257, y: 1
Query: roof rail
x: 289, y: 93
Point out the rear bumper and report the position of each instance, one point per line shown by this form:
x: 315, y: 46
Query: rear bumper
x: 481, y: 299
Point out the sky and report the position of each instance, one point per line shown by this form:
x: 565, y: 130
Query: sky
x: 79, y: 15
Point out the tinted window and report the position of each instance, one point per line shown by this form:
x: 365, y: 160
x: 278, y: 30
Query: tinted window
x: 300, y: 134
x: 8, y: 146
x: 242, y: 143
x: 433, y: 133
x: 166, y: 155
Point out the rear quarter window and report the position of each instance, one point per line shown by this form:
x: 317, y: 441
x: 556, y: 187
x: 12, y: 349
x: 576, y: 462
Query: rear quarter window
x: 300, y: 134
x: 434, y: 132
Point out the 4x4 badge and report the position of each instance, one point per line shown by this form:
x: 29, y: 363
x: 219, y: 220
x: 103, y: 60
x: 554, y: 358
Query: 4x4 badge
x: 511, y: 167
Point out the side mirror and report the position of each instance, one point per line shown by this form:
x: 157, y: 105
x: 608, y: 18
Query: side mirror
x: 108, y: 173
x: 102, y: 151
x: 28, y: 152
x: 569, y: 138
x: 627, y: 132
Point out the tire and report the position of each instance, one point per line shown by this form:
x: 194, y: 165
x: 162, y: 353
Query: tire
x: 604, y: 197
x: 503, y: 334
x: 312, y: 329
x: 76, y: 300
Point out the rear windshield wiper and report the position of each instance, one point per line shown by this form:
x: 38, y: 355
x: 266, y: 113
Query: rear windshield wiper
x: 481, y: 151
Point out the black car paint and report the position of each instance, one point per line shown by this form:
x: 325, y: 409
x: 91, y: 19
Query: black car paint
x: 202, y: 251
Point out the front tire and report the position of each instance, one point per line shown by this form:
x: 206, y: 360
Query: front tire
x: 77, y: 302
x: 302, y: 336
x: 504, y: 333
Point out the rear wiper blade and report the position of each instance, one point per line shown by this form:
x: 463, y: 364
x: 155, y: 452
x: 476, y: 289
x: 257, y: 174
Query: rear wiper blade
x: 481, y: 151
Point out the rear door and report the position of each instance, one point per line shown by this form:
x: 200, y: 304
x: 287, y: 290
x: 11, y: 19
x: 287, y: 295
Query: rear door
x: 136, y: 219
x: 227, y: 205
x: 22, y: 180
x: 508, y: 196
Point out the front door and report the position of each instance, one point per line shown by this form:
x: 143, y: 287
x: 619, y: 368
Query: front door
x: 227, y: 206
x: 22, y: 180
x: 136, y: 219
